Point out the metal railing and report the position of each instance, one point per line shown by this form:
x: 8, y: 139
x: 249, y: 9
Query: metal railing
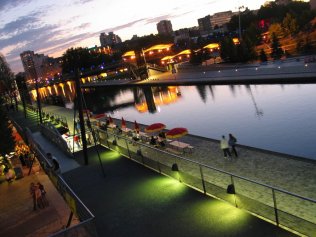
x: 86, y: 226
x: 283, y: 208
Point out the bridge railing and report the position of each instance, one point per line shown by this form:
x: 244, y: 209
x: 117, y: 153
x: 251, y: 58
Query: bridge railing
x: 283, y: 208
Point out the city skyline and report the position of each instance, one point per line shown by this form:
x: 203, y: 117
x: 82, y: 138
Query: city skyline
x: 50, y: 27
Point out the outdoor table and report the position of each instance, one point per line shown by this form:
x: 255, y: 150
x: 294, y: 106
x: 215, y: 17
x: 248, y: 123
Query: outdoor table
x: 144, y: 136
x: 112, y: 125
x: 179, y: 145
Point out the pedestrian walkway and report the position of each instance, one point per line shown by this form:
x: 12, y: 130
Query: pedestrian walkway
x: 17, y: 218
x: 66, y: 163
x: 288, y: 173
x: 134, y: 201
x: 294, y: 174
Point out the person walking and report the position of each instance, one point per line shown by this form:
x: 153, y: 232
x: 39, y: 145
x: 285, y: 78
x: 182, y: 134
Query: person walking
x: 232, y: 143
x: 43, y: 193
x: 224, y: 146
x: 38, y: 197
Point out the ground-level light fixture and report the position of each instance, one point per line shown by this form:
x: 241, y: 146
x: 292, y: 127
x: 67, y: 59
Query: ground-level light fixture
x: 175, y: 167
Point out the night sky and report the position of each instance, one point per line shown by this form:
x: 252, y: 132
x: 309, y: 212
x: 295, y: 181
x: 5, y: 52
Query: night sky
x: 52, y: 26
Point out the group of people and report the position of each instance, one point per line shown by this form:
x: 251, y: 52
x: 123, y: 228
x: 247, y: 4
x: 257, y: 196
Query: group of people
x: 38, y: 194
x: 229, y: 147
x: 158, y: 140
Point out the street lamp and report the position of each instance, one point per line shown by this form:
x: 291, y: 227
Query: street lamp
x: 239, y: 23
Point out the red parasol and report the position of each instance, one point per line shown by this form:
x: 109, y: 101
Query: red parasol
x: 176, y: 133
x: 98, y: 116
x: 136, y: 126
x: 155, y: 127
x: 123, y: 125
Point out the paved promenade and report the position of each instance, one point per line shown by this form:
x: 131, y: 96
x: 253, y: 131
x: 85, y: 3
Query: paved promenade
x: 130, y: 201
x: 17, y: 218
x: 294, y: 174
x: 134, y: 201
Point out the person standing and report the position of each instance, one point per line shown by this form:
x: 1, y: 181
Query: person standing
x: 43, y: 193
x: 54, y: 161
x: 232, y: 143
x: 224, y: 146
x: 32, y: 192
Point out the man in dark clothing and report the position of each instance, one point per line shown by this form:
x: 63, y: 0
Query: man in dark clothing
x: 54, y: 161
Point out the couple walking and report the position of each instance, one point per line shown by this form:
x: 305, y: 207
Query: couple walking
x: 225, y: 145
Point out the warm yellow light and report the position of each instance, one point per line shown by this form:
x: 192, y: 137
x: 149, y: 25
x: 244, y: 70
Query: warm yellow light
x: 236, y: 41
x: 211, y: 46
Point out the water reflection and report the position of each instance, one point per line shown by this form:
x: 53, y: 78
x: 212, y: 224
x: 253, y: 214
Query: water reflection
x: 258, y: 111
x: 284, y: 121
x: 202, y: 92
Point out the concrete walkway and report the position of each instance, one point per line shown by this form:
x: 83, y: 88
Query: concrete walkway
x: 17, y: 218
x: 294, y: 174
x: 134, y: 201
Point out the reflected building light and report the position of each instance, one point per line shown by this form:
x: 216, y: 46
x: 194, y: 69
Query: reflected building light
x: 158, y: 109
x: 69, y: 85
x: 62, y: 88
x: 56, y: 89
x: 160, y: 96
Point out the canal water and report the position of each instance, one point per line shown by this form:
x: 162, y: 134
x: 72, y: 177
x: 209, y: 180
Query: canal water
x: 280, y: 118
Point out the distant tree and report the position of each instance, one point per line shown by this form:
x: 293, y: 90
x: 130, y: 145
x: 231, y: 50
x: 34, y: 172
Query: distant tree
x: 7, y: 83
x: 76, y: 58
x: 304, y: 45
x: 290, y: 26
x: 247, y: 18
x: 245, y: 50
x: 263, y: 57
x: 7, y: 144
x: 276, y: 48
x: 277, y: 30
x: 196, y: 57
x: 228, y: 50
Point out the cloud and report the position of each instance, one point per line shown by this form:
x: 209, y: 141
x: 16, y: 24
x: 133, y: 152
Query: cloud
x: 6, y: 4
x: 121, y: 27
x: 158, y: 18
x: 20, y: 25
x: 82, y: 1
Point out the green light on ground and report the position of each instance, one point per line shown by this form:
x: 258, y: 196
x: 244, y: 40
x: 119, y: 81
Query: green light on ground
x: 160, y: 189
x: 226, y: 219
x: 110, y: 155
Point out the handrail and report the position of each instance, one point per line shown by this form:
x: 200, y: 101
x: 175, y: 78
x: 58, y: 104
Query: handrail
x: 211, y: 167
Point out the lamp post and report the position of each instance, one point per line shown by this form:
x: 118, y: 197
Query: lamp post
x: 81, y: 119
x: 38, y: 98
x: 239, y: 22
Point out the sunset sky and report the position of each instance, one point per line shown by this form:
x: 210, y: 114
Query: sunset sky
x: 52, y: 26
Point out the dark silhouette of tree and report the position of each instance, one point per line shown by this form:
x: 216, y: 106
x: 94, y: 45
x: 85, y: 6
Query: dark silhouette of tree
x: 196, y: 57
x: 228, y: 50
x: 7, y: 83
x: 7, y: 144
x: 75, y: 58
x: 263, y: 57
x: 276, y: 48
